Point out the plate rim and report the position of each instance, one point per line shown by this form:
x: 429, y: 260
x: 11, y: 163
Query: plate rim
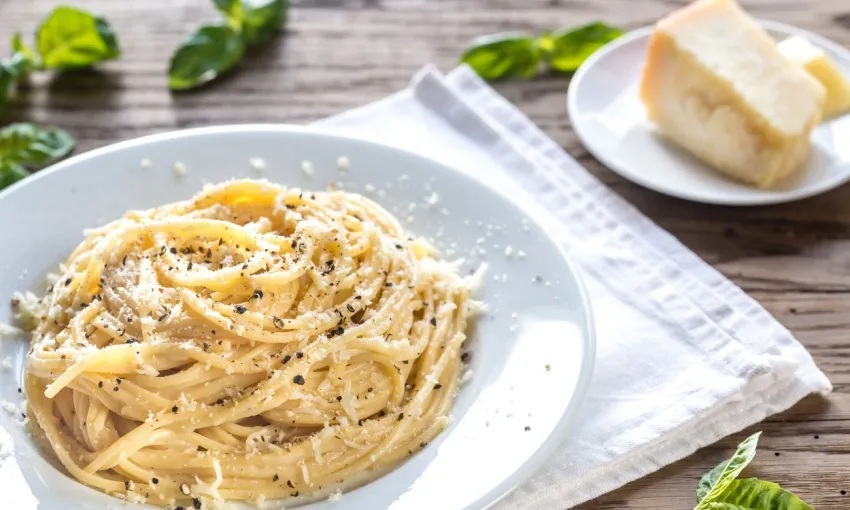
x: 635, y: 177
x: 565, y: 424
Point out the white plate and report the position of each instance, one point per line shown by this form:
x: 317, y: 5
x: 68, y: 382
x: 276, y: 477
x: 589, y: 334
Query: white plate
x: 485, y: 452
x: 610, y: 120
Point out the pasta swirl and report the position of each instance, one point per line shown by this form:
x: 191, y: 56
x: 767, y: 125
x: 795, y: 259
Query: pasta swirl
x: 252, y: 342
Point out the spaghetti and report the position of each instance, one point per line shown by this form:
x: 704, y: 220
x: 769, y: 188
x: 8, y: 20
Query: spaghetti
x: 253, y: 342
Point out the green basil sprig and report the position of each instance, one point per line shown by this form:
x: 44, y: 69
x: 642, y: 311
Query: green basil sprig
x: 719, y: 489
x: 512, y: 55
x: 25, y: 146
x: 215, y: 48
x: 68, y: 38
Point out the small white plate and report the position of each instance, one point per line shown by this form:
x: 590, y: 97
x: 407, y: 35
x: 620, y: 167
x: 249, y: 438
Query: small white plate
x: 610, y: 120
x: 508, y: 417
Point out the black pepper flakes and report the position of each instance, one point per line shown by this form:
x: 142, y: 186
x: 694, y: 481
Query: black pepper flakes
x: 299, y: 354
x: 349, y: 308
x: 286, y: 359
x: 220, y: 402
x: 400, y: 416
x: 275, y: 478
x: 155, y: 480
x: 278, y: 322
x: 433, y: 321
x: 438, y: 386
x: 206, y: 347
x: 132, y: 341
x: 115, y: 388
x: 240, y: 309
x: 258, y: 294
x: 527, y: 428
x: 173, y: 250
x: 339, y: 398
x: 289, y: 483
x: 174, y: 409
x: 382, y: 413
x: 464, y: 357
x: 298, y: 379
x: 196, y: 503
x: 189, y: 266
x: 100, y: 384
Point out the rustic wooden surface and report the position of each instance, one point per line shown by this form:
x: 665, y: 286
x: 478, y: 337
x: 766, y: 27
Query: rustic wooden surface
x: 337, y: 54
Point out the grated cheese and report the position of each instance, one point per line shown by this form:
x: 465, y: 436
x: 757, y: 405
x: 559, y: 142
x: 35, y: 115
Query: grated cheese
x: 179, y: 168
x: 257, y: 164
x: 307, y: 168
x: 146, y: 163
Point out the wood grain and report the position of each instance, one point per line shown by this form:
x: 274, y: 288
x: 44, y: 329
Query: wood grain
x: 338, y: 54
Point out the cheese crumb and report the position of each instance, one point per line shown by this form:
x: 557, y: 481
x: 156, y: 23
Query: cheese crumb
x: 179, y: 168
x: 7, y: 363
x: 307, y: 168
x: 9, y: 408
x: 509, y: 250
x: 146, y: 163
x: 466, y: 377
x: 335, y: 496
x: 521, y: 254
x: 369, y: 188
x: 342, y: 162
x: 432, y: 199
x: 257, y: 164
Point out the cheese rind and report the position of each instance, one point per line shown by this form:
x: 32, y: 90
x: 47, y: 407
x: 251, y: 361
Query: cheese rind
x: 716, y: 85
x: 816, y: 62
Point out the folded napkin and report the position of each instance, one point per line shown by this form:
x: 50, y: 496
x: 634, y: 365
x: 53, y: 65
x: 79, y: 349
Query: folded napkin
x: 684, y: 356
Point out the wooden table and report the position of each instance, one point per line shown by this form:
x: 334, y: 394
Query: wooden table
x: 338, y: 54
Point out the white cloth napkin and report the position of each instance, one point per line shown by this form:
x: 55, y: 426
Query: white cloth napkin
x: 684, y: 356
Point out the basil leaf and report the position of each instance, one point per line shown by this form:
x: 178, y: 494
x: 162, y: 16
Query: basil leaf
x: 232, y: 9
x: 25, y: 51
x: 756, y: 494
x: 743, y: 456
x: 262, y: 19
x: 11, y: 70
x: 571, y: 47
x: 11, y: 173
x: 725, y: 506
x: 503, y: 56
x: 70, y: 38
x: 709, y: 480
x: 28, y: 144
x: 208, y: 52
